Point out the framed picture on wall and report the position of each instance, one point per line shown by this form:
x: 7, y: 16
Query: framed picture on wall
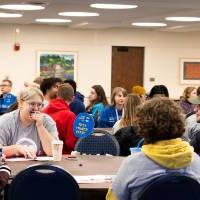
x: 61, y: 64
x: 190, y: 71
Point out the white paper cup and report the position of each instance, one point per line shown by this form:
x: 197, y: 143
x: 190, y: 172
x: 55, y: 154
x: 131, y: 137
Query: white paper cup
x: 57, y: 147
x: 134, y: 150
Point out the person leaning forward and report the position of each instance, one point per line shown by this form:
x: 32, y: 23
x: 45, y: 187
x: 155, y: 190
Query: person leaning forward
x: 26, y: 131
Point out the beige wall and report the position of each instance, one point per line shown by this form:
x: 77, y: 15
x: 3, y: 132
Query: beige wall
x: 162, y: 53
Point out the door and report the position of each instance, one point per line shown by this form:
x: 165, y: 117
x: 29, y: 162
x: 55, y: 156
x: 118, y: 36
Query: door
x: 127, y: 67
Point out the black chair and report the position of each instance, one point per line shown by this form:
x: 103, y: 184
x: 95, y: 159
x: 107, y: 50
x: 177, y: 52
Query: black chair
x: 173, y: 186
x: 100, y: 142
x: 41, y: 182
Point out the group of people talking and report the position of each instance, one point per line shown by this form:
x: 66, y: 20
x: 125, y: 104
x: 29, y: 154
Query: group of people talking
x: 46, y: 112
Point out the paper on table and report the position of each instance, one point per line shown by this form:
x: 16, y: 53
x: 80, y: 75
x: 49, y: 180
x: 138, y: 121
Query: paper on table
x: 94, y: 178
x: 42, y: 158
x: 18, y: 159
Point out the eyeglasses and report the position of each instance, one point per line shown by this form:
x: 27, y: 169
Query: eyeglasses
x: 3, y: 85
x: 34, y: 104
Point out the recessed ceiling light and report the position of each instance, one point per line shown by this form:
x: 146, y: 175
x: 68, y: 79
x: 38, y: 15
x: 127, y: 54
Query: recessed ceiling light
x: 183, y: 19
x: 53, y: 20
x: 78, y: 14
x: 22, y: 7
x: 112, y: 6
x: 10, y: 15
x: 149, y: 24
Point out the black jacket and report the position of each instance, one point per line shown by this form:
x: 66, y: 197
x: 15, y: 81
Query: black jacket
x: 127, y: 137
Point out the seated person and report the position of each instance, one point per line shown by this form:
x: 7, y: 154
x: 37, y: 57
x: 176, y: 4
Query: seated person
x: 132, y: 101
x: 76, y: 106
x: 195, y: 142
x: 49, y: 88
x: 111, y: 114
x: 26, y: 131
x: 193, y: 120
x: 59, y: 110
x: 97, y: 102
x: 161, y: 123
x: 192, y: 126
x: 188, y: 93
x: 127, y: 137
x: 77, y: 94
x: 6, y: 98
x: 139, y: 90
x: 158, y: 91
x: 192, y: 132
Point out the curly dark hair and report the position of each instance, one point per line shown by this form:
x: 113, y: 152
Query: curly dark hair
x: 160, y: 119
x: 48, y: 83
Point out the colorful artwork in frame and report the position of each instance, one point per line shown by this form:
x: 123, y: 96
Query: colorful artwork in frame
x: 190, y: 71
x: 57, y: 64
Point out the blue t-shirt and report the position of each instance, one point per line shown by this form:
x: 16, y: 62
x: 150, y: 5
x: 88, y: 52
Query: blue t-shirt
x: 109, y: 116
x: 6, y: 100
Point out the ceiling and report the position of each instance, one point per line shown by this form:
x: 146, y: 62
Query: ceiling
x: 147, y: 11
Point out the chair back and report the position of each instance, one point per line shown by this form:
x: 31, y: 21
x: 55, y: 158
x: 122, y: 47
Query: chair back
x: 173, y: 186
x: 41, y: 182
x: 100, y: 142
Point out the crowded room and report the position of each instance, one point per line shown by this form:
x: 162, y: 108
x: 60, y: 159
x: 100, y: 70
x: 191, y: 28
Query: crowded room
x: 99, y: 100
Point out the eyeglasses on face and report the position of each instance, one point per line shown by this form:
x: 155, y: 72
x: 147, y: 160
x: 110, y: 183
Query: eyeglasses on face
x: 4, y: 85
x: 34, y: 104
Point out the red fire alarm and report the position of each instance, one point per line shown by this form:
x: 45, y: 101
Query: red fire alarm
x: 16, y: 46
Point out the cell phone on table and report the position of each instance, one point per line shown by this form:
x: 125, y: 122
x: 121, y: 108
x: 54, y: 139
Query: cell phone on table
x: 71, y: 157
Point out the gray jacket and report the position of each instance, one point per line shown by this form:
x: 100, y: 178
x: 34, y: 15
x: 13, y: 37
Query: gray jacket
x: 137, y: 170
x: 192, y: 127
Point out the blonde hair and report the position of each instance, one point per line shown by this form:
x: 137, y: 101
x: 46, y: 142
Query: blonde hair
x: 115, y: 91
x: 28, y: 93
x: 132, y: 101
x: 187, y: 91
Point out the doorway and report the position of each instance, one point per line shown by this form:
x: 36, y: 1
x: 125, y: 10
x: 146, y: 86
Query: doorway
x: 127, y: 67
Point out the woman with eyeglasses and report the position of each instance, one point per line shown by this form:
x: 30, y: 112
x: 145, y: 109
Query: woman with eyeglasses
x: 27, y: 131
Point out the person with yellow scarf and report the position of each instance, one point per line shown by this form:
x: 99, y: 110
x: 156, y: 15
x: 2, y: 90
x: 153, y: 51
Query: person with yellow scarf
x: 161, y: 124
